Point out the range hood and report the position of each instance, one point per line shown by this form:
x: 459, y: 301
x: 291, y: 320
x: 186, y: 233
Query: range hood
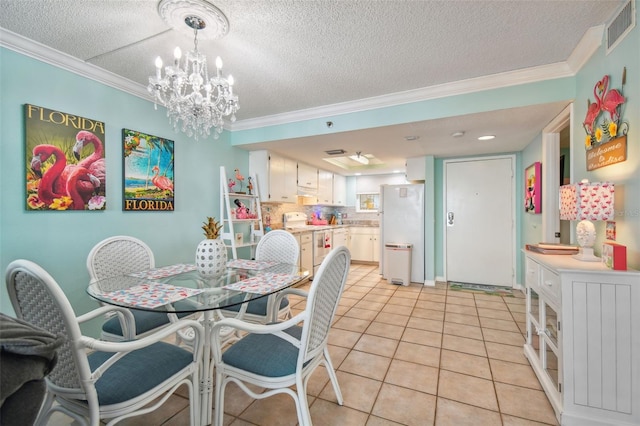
x: 305, y: 191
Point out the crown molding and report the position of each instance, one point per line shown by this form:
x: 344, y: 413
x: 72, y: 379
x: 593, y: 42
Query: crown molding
x: 587, y: 46
x: 59, y: 59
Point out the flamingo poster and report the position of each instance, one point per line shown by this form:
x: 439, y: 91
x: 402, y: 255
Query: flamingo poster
x: 65, y: 161
x: 148, y: 172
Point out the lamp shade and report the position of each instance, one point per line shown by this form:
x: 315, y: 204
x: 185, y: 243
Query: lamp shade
x: 587, y: 201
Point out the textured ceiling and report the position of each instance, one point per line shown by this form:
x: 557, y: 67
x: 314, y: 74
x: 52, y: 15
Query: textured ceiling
x: 287, y: 56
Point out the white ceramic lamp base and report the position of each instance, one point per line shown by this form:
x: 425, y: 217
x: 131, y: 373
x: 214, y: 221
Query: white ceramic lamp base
x: 586, y: 235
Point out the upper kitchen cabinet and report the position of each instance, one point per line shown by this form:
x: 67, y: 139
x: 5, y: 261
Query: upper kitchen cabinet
x: 339, y: 190
x: 307, y: 178
x: 325, y: 187
x: 416, y: 169
x: 277, y: 176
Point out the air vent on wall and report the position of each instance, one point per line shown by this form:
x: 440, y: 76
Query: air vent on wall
x: 621, y: 25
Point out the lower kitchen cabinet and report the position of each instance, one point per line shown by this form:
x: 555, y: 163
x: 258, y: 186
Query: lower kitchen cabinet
x: 364, y: 244
x: 305, y: 240
x: 583, y: 339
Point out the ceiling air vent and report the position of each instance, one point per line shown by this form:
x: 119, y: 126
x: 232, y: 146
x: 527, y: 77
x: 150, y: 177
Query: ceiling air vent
x: 335, y: 152
x: 621, y: 25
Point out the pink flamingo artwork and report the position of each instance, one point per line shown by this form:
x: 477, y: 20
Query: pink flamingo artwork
x: 612, y: 99
x: 593, y: 111
x: 79, y: 174
x: 231, y: 184
x: 161, y: 182
x: 41, y: 153
x: 94, y: 163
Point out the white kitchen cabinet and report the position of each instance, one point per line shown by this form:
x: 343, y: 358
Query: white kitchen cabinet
x: 416, y: 169
x: 339, y: 190
x: 305, y: 240
x: 364, y: 244
x: 277, y: 176
x: 307, y: 177
x: 325, y: 187
x: 583, y: 339
x: 340, y: 237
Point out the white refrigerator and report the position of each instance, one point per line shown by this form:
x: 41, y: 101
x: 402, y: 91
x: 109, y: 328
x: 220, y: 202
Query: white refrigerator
x: 402, y: 222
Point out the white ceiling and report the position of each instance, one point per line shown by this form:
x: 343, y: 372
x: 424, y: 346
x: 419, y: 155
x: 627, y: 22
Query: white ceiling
x: 290, y: 56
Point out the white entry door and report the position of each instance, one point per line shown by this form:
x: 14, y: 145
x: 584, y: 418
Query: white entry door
x: 479, y: 221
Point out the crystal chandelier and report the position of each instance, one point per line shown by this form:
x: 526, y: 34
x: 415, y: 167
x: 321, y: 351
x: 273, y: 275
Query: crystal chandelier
x: 195, y: 103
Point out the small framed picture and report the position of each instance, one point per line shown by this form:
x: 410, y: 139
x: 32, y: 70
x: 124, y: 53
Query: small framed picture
x: 239, y: 237
x: 533, y: 188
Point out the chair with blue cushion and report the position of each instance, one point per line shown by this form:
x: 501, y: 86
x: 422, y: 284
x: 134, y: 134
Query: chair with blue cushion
x: 275, y: 357
x: 95, y: 380
x: 275, y: 246
x: 121, y: 255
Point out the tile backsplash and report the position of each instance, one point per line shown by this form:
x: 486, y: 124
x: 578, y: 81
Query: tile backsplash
x: 277, y: 210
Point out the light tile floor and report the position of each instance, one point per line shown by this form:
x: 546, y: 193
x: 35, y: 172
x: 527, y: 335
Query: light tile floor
x: 405, y: 356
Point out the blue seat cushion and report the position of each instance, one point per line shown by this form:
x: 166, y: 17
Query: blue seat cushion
x: 255, y: 306
x: 138, y: 371
x: 145, y: 321
x: 264, y: 354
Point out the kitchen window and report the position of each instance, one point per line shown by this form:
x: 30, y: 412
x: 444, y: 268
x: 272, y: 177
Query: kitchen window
x: 368, y: 202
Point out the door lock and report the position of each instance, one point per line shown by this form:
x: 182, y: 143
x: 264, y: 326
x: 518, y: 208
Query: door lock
x: 450, y: 219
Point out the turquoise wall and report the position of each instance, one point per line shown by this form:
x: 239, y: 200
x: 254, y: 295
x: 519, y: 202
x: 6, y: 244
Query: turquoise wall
x: 60, y: 241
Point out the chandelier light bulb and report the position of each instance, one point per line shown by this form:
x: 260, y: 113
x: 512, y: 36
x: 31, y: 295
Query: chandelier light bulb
x: 219, y: 63
x: 177, y: 53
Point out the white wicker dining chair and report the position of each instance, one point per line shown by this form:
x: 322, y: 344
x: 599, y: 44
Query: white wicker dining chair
x: 121, y: 255
x: 274, y: 357
x: 95, y: 380
x: 276, y: 246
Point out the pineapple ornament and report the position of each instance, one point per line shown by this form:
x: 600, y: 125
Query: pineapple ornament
x: 211, y: 254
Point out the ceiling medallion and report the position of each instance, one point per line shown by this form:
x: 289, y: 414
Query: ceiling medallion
x: 175, y: 13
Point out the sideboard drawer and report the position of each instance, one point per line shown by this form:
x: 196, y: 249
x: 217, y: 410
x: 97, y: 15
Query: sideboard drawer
x: 550, y: 282
x: 532, y: 273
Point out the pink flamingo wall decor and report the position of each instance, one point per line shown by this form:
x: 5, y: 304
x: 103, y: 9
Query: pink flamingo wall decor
x: 95, y: 162
x: 612, y: 99
x: 593, y: 110
x: 41, y: 154
x: 77, y: 175
x: 161, y: 182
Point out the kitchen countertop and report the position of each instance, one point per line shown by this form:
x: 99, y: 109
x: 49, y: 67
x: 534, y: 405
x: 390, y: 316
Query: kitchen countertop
x: 311, y: 228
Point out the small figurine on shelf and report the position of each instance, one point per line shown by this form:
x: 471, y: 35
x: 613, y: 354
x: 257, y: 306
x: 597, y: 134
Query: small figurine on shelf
x: 242, y: 212
x: 231, y: 184
x: 250, y: 185
x: 240, y: 179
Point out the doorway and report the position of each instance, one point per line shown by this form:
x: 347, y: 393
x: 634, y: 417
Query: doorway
x: 480, y: 220
x: 556, y: 134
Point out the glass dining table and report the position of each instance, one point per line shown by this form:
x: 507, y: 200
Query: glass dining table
x: 178, y: 289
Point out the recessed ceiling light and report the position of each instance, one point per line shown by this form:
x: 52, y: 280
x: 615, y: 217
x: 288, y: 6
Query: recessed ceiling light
x: 358, y: 174
x: 396, y: 171
x: 411, y: 138
x: 486, y: 138
x: 457, y: 134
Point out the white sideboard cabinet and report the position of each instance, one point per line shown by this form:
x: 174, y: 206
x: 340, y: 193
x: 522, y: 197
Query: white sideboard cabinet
x: 583, y: 339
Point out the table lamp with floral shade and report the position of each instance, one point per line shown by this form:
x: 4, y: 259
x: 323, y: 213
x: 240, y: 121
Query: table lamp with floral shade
x: 586, y: 202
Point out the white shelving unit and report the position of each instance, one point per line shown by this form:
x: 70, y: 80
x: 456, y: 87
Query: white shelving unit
x: 250, y: 229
